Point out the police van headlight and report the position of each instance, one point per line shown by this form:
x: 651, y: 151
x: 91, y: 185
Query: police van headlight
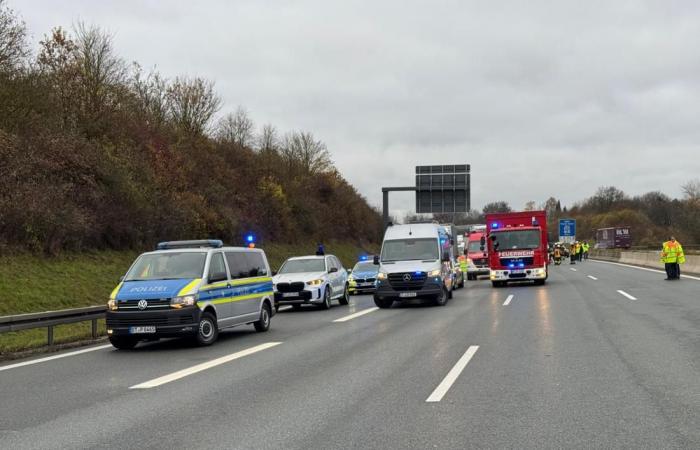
x: 181, y: 302
x: 112, y: 304
x: 381, y: 275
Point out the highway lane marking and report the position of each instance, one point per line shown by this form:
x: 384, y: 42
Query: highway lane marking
x: 51, y: 358
x: 571, y: 268
x: 592, y: 278
x: 284, y: 308
x: 203, y: 366
x: 642, y: 268
x: 357, y: 314
x: 626, y: 295
x: 507, y: 302
x: 452, y: 375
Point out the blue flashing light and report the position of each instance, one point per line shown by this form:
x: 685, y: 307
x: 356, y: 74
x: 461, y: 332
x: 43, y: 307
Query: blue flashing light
x: 511, y: 265
x: 494, y: 225
x: 418, y: 273
x: 442, y: 241
x: 363, y: 258
x: 250, y: 238
x: 521, y: 265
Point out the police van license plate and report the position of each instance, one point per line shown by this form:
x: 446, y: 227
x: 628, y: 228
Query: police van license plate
x: 408, y: 294
x: 290, y: 294
x: 142, y: 330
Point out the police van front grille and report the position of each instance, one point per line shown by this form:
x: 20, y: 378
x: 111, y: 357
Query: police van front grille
x: 154, y: 303
x: 407, y: 281
x: 297, y: 286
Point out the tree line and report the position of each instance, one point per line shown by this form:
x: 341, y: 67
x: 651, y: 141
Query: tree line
x: 98, y: 153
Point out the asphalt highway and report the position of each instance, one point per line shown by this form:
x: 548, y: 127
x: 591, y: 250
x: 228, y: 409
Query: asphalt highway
x: 605, y: 356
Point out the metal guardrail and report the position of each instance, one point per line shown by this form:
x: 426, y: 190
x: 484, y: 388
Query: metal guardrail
x: 49, y: 319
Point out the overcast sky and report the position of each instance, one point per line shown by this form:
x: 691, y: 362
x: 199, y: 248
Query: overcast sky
x: 540, y: 97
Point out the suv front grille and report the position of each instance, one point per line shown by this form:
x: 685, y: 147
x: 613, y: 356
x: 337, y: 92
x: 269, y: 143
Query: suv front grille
x: 407, y: 281
x: 297, y: 286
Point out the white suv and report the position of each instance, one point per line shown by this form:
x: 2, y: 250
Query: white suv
x: 311, y: 280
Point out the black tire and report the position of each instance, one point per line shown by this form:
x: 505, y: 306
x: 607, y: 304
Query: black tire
x: 263, y: 324
x: 498, y: 284
x: 326, y: 299
x: 123, y: 342
x: 345, y: 299
x: 277, y: 308
x: 450, y: 293
x: 207, y: 329
x: 441, y: 300
x: 383, y: 303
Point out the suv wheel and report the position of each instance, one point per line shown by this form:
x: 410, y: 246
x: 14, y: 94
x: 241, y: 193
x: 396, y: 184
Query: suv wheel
x: 326, y: 299
x: 441, y: 299
x: 207, y: 329
x: 383, y: 303
x: 264, y: 323
x: 123, y: 342
x: 345, y: 299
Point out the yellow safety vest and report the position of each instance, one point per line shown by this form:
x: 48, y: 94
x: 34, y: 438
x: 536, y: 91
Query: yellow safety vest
x: 463, y: 263
x: 672, y: 253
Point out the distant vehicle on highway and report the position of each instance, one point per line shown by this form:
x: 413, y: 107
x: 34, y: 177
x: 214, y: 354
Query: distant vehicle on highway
x: 363, y: 277
x: 190, y: 288
x: 312, y: 280
x: 415, y: 262
x: 614, y: 237
x: 477, y: 252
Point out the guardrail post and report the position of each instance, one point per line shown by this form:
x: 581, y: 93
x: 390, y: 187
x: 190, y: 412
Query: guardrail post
x: 94, y: 328
x: 50, y: 334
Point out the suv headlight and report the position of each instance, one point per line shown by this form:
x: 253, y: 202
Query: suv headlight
x: 435, y: 273
x: 315, y: 282
x: 112, y: 304
x: 381, y: 275
x: 181, y: 302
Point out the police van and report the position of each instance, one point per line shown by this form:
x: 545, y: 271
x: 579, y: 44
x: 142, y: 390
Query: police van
x: 190, y: 288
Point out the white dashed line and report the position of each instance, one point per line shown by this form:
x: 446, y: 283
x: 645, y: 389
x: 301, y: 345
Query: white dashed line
x: 357, y: 314
x: 507, y: 302
x: 203, y: 366
x: 452, y: 376
x: 51, y: 358
x: 592, y: 277
x: 571, y: 268
x: 626, y: 295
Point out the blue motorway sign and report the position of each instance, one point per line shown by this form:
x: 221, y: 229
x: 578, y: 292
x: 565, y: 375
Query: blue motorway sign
x: 567, y: 228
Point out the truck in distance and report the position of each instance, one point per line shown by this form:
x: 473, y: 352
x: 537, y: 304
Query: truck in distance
x: 614, y: 237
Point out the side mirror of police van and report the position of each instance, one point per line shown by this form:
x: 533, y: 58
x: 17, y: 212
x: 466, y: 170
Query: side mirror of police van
x: 446, y: 257
x: 217, y: 276
x: 375, y: 260
x: 332, y: 270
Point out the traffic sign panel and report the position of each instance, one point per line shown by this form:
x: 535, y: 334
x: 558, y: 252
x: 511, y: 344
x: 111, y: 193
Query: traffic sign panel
x: 567, y: 230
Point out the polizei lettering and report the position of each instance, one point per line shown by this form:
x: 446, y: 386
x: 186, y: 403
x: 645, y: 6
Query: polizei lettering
x: 148, y: 289
x: 516, y: 253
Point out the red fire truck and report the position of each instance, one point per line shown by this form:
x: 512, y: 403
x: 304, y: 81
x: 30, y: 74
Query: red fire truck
x: 517, y: 247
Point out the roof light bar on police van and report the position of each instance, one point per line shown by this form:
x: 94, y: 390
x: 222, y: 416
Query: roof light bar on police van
x: 204, y: 243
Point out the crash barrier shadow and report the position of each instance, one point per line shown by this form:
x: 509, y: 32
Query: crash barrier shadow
x: 49, y: 319
x: 644, y: 258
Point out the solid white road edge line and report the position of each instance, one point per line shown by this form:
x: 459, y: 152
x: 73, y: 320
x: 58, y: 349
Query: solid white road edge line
x: 51, y: 358
x: 451, y: 377
x: 507, y: 302
x: 203, y: 366
x: 571, y: 268
x: 642, y: 268
x: 592, y: 277
x: 357, y: 314
x: 626, y: 295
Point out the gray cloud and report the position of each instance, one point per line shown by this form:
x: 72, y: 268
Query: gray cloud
x: 542, y: 98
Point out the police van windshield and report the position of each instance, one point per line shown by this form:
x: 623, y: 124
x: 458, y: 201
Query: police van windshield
x: 409, y: 249
x: 365, y: 266
x: 167, y: 266
x: 303, y: 265
x: 522, y: 239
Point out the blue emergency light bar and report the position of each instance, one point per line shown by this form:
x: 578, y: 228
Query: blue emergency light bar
x: 494, y: 225
x: 204, y: 243
x: 250, y: 238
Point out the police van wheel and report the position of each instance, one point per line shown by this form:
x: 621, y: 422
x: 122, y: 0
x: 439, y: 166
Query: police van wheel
x: 326, y: 299
x: 383, y: 303
x: 264, y: 323
x: 441, y: 299
x: 345, y: 299
x: 207, y: 330
x: 123, y: 343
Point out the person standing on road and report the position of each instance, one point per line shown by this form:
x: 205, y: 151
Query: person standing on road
x: 586, y: 247
x: 463, y: 265
x: 672, y: 257
x: 572, y: 253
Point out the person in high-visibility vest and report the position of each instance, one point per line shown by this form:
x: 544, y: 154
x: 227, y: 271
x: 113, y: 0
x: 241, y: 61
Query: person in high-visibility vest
x: 463, y: 265
x: 586, y: 247
x: 579, y: 251
x: 672, y: 257
x: 572, y: 253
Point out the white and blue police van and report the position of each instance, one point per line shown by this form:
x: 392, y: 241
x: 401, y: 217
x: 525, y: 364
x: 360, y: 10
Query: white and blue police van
x: 193, y: 289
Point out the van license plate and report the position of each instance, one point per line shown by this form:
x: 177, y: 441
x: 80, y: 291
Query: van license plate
x: 408, y: 294
x: 141, y: 330
x: 290, y: 294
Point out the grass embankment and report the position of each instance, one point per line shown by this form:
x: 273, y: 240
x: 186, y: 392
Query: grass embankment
x: 33, y: 283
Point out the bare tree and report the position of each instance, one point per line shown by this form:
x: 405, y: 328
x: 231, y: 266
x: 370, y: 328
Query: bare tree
x: 691, y: 189
x: 13, y: 39
x: 268, y: 140
x: 151, y: 92
x: 495, y: 207
x: 191, y: 104
x: 301, y: 149
x: 236, y: 127
x: 530, y: 206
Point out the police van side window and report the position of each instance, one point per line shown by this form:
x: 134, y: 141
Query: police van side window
x: 255, y: 264
x: 217, y: 267
x: 237, y: 264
